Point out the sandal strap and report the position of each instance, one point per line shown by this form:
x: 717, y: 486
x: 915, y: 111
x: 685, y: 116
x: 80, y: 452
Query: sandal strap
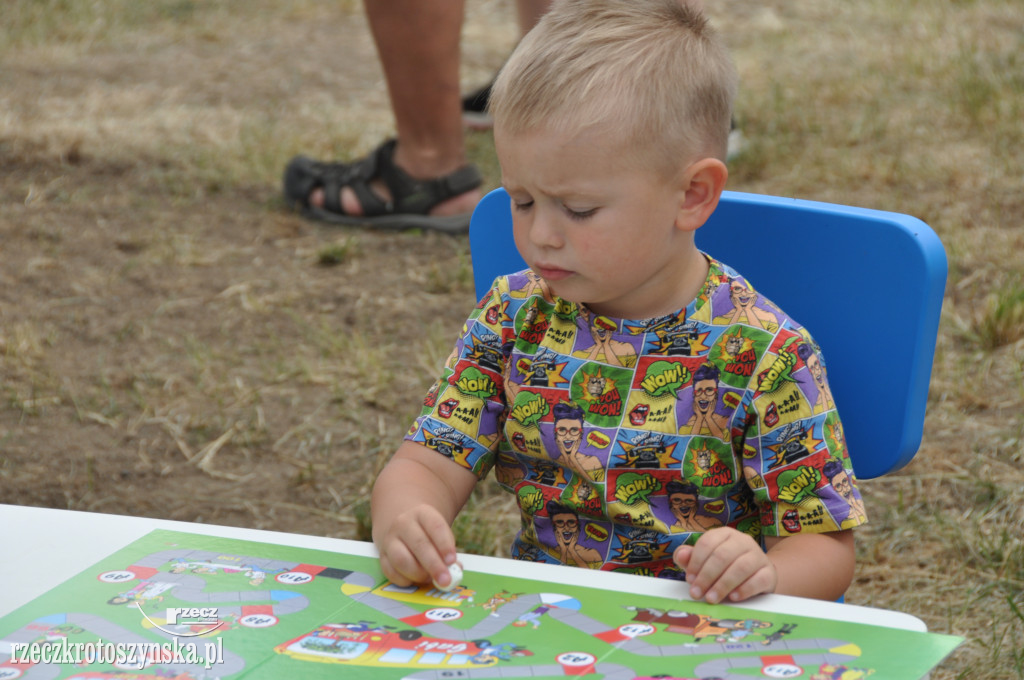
x: 356, y: 176
x: 418, y: 196
x: 410, y: 196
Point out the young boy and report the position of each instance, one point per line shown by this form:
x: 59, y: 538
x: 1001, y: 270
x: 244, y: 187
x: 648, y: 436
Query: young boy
x: 650, y: 411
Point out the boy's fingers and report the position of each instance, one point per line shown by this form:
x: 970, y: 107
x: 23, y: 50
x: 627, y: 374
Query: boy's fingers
x: 390, y: 573
x: 442, y: 552
x: 743, y: 575
x: 720, y: 562
x: 761, y: 582
x: 409, y: 555
x: 733, y: 575
x: 705, y: 550
x: 430, y: 545
x: 398, y: 565
x: 682, y: 556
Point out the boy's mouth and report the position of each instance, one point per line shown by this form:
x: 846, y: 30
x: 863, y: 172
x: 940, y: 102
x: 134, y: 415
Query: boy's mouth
x: 551, y: 273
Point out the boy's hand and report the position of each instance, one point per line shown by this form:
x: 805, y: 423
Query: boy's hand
x: 414, y: 502
x: 417, y: 548
x: 726, y: 563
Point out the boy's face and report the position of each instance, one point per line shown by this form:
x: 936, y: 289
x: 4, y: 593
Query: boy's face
x: 596, y: 224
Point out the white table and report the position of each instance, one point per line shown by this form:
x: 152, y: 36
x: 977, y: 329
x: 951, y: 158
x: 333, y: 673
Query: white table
x: 41, y: 548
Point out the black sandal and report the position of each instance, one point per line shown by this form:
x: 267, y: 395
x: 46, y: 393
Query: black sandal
x: 411, y: 202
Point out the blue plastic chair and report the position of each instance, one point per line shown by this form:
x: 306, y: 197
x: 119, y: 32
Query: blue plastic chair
x: 872, y: 303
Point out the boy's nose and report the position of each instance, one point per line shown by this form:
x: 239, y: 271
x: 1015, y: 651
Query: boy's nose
x: 544, y: 230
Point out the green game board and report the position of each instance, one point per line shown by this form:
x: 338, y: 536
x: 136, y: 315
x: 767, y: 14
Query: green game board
x: 187, y: 607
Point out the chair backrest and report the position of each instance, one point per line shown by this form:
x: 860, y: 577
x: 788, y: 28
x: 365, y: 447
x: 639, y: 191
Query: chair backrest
x: 871, y: 300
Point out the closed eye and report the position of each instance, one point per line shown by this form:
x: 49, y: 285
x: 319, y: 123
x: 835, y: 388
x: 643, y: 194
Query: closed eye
x: 579, y: 215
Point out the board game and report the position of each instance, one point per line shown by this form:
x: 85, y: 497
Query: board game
x: 182, y: 606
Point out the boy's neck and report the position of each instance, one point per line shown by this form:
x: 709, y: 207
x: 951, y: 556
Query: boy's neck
x: 694, y: 274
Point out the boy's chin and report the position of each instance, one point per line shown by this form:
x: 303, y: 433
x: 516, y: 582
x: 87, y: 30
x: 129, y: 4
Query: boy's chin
x: 559, y: 290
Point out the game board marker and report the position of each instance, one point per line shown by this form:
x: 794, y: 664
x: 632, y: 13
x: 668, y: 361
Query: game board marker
x: 455, y: 578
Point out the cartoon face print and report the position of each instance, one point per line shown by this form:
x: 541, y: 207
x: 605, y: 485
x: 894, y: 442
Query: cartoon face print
x: 740, y: 295
x: 734, y: 344
x: 568, y: 435
x: 605, y: 348
x: 596, y: 385
x: 565, y: 524
x: 512, y: 388
x: 705, y: 420
x: 705, y: 393
x: 584, y: 496
x: 605, y: 409
x: 569, y: 438
x: 745, y: 310
x: 600, y: 328
x: 841, y: 482
x: 684, y: 502
x: 537, y: 286
x: 814, y: 367
x: 530, y: 316
x: 703, y: 458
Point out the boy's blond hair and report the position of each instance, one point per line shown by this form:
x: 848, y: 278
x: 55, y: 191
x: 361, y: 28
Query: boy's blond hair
x: 654, y: 69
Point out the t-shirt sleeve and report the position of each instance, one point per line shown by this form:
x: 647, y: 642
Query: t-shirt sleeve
x: 794, y: 450
x: 464, y: 411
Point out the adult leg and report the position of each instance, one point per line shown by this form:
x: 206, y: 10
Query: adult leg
x: 474, y: 104
x: 528, y: 12
x: 418, y: 44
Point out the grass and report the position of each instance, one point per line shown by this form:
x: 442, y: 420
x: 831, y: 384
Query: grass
x: 166, y: 311
x: 1000, y: 320
x: 338, y: 252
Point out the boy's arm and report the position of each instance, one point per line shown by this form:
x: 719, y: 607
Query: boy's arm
x: 414, y: 502
x: 728, y: 564
x: 813, y: 565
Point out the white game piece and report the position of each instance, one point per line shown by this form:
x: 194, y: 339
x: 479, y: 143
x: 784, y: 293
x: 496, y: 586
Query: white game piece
x: 455, y: 575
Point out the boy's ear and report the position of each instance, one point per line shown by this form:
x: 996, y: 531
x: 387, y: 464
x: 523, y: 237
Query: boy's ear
x: 701, y: 185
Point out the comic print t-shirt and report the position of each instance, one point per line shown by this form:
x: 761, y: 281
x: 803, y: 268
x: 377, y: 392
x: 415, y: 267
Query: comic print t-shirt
x: 623, y: 439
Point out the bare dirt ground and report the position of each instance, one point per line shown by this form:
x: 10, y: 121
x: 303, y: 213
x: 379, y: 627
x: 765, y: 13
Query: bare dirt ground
x: 174, y: 343
x: 173, y: 346
x: 174, y: 358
